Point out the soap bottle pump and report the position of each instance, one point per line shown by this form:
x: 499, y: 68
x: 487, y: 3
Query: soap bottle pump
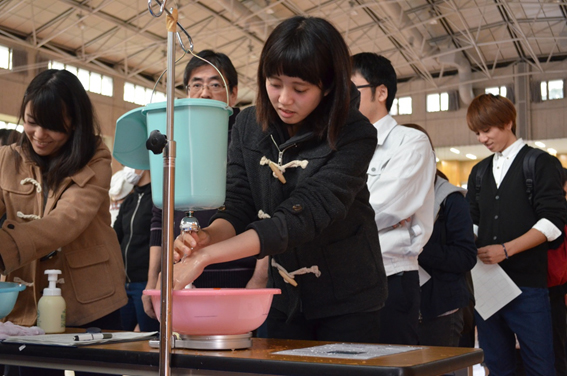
x: 51, y: 308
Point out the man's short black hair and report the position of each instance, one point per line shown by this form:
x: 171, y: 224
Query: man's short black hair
x: 377, y: 70
x: 219, y: 60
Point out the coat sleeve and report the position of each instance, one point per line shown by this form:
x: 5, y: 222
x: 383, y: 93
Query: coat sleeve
x: 239, y: 207
x: 458, y: 254
x: 77, y: 204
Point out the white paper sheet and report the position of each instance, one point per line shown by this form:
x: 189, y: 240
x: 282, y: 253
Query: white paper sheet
x: 493, y: 289
x: 348, y: 351
x: 68, y: 339
x: 423, y: 276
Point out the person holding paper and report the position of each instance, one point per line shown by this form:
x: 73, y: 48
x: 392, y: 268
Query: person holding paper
x: 514, y: 233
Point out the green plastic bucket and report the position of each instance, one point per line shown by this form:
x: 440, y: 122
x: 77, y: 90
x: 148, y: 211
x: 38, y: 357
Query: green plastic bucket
x: 201, y: 135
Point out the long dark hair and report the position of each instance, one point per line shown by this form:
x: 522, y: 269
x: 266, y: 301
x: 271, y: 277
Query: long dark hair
x: 57, y: 97
x: 313, y: 50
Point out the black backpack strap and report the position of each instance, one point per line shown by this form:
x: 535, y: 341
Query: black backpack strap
x: 529, y: 171
x: 480, y: 171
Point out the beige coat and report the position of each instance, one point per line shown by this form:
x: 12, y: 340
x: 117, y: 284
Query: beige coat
x: 75, y: 220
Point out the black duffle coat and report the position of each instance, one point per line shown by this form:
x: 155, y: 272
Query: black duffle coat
x: 319, y: 217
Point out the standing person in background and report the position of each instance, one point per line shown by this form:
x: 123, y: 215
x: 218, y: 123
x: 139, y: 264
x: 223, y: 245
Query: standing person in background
x: 449, y: 254
x: 54, y: 190
x: 296, y: 192
x: 202, y: 81
x: 514, y: 233
x: 119, y: 189
x: 400, y: 180
x: 132, y: 227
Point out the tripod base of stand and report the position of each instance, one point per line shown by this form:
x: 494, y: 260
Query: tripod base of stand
x: 217, y: 342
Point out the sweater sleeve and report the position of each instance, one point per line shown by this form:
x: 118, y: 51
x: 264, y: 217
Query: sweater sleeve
x: 471, y: 197
x: 118, y: 223
x: 156, y: 228
x: 548, y: 194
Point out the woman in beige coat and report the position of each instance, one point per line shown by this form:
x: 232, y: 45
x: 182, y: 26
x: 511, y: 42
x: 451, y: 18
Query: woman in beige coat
x: 54, y: 190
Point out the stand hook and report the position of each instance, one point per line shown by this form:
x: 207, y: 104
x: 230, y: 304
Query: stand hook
x: 161, y: 8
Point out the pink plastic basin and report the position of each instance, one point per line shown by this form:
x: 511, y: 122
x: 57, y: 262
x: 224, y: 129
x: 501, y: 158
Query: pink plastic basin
x: 216, y: 311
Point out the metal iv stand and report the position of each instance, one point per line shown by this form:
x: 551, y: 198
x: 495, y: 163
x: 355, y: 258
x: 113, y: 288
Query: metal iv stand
x: 158, y: 142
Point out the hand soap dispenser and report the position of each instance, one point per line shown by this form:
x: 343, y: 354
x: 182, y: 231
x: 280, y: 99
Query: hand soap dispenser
x: 51, y: 309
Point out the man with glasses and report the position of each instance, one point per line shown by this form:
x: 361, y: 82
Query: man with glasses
x: 201, y: 80
x: 400, y: 180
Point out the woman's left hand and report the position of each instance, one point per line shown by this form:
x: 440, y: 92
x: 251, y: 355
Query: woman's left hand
x: 185, y: 271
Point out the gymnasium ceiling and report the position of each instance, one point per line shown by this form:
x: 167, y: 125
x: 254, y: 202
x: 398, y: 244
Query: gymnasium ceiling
x: 121, y: 38
x: 422, y: 38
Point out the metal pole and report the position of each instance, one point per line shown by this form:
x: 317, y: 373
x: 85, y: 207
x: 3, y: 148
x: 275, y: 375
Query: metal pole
x: 168, y: 216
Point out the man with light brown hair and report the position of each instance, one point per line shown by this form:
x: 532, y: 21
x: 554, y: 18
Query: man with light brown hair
x: 514, y: 232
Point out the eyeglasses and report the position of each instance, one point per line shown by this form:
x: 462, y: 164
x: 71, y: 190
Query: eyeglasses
x: 197, y: 87
x: 363, y: 86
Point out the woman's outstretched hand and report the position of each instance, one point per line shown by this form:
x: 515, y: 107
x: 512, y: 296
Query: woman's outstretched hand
x: 186, y: 270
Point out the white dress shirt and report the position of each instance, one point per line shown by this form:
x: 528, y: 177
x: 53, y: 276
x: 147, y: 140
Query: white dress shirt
x: 400, y: 180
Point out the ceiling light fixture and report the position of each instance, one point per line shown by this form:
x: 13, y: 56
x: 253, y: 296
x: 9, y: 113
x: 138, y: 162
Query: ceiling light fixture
x: 471, y: 156
x: 552, y: 151
x: 456, y: 151
x: 539, y: 144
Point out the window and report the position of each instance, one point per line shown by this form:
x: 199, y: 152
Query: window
x: 56, y: 65
x: 496, y: 91
x: 4, y: 125
x: 438, y: 102
x: 551, y: 90
x: 5, y: 58
x: 141, y: 95
x: 93, y: 82
x: 401, y: 106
